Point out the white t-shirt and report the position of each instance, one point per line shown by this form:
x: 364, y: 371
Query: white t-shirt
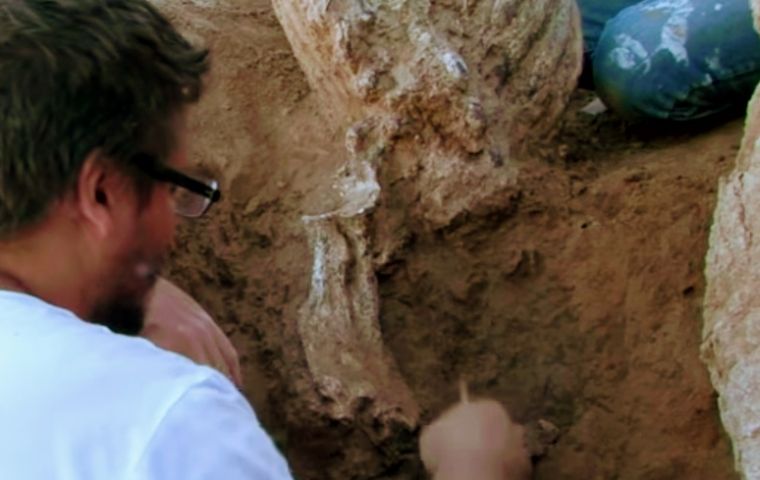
x: 78, y: 402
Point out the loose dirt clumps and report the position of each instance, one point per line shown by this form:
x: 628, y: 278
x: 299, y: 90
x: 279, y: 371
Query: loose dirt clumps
x: 574, y: 297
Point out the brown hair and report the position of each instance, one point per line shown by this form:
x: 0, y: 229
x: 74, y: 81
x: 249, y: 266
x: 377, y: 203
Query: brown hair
x: 80, y: 75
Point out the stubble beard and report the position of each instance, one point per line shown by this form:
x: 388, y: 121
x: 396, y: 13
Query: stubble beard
x: 123, y: 310
x: 120, y: 316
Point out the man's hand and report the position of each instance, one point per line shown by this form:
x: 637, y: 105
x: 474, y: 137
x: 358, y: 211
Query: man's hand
x: 475, y: 440
x: 174, y: 321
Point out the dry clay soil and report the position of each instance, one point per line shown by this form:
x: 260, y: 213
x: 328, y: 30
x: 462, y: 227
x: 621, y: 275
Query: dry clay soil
x: 580, y: 305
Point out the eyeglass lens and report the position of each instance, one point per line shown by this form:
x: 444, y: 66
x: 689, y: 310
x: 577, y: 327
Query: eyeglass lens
x: 190, y: 204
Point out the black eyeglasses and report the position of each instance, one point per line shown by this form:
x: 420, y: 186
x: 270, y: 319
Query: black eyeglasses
x: 194, y: 196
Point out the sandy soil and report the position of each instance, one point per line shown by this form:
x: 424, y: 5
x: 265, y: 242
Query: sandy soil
x: 579, y: 306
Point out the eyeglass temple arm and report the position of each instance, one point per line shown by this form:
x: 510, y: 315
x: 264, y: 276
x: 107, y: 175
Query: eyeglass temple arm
x: 166, y: 174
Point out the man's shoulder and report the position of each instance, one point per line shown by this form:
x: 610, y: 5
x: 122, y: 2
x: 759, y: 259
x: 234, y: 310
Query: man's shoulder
x: 67, y: 387
x: 69, y: 358
x: 39, y: 335
x: 178, y: 408
x: 223, y: 434
x: 132, y: 375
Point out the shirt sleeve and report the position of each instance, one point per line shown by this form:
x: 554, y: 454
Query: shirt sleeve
x: 211, y: 432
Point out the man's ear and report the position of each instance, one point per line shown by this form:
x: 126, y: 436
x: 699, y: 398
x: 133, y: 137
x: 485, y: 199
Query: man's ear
x: 96, y: 190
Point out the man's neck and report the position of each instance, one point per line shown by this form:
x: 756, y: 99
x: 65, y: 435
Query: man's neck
x: 45, y: 263
x: 10, y: 282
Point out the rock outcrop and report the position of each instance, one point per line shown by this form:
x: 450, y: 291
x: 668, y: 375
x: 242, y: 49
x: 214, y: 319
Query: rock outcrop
x: 453, y: 91
x: 425, y: 93
x: 731, y: 345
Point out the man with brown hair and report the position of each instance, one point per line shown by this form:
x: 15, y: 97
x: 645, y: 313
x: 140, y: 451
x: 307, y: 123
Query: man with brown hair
x: 92, y: 151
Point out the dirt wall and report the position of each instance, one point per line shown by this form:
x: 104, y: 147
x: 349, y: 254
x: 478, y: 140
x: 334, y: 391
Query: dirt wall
x: 579, y: 304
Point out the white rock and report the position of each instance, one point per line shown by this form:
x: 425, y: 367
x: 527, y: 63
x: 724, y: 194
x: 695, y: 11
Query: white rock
x: 731, y: 337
